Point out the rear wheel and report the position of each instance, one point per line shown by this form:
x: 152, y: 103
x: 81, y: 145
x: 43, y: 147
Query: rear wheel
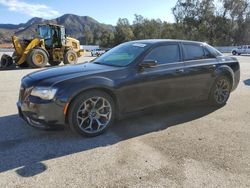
x: 70, y: 57
x: 220, y: 91
x: 234, y: 52
x: 37, y: 58
x: 91, y: 113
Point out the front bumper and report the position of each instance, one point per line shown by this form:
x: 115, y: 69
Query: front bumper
x: 41, y: 115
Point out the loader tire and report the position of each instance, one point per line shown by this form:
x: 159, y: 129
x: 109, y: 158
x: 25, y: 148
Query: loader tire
x: 6, y: 62
x: 37, y: 58
x: 70, y: 57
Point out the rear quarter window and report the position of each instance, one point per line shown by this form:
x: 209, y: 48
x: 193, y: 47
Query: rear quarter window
x: 193, y: 52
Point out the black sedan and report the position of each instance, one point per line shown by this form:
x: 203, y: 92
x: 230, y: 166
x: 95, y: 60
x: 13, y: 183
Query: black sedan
x: 130, y: 77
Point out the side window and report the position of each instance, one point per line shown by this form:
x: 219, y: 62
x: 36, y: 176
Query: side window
x: 165, y: 54
x: 208, y: 54
x: 193, y: 52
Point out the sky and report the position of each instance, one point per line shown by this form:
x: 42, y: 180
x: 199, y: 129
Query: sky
x: 104, y: 11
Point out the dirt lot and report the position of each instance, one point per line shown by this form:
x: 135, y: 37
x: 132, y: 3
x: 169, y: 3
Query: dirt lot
x: 179, y: 146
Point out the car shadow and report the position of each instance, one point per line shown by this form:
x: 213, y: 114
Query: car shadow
x: 25, y: 148
x: 247, y: 82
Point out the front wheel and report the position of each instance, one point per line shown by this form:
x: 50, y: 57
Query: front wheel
x: 91, y: 113
x: 37, y: 58
x: 234, y: 52
x: 220, y: 91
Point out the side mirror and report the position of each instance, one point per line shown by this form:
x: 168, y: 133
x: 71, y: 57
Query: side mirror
x: 148, y: 64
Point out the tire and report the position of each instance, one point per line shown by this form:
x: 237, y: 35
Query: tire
x: 239, y: 53
x: 37, y: 58
x: 84, y: 116
x: 55, y: 63
x: 6, y: 62
x: 220, y: 91
x: 234, y: 52
x: 70, y: 57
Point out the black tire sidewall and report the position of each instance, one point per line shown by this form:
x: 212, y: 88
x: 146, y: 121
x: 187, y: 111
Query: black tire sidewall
x: 8, y: 61
x: 76, y: 103
x: 212, y: 99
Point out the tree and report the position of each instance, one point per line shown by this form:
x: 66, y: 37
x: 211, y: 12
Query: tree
x: 138, y: 27
x: 107, y: 39
x: 237, y: 11
x: 88, y: 36
x: 123, y: 31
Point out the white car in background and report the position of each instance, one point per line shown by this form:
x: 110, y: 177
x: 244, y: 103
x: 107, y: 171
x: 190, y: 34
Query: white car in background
x: 244, y: 49
x: 97, y: 52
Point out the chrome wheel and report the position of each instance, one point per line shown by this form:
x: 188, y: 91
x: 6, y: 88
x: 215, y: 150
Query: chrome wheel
x: 94, y: 114
x: 222, y: 91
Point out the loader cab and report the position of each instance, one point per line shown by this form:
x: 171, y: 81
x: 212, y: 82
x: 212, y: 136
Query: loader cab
x: 53, y: 35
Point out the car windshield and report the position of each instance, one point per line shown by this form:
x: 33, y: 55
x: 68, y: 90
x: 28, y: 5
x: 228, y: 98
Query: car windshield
x: 122, y: 55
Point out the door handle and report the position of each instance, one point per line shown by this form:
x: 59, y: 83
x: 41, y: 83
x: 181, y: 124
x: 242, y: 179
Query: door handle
x: 179, y: 70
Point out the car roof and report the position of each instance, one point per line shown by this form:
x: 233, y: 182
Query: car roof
x: 155, y: 41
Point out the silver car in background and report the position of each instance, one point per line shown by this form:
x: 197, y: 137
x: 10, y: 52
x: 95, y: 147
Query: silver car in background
x: 244, y: 49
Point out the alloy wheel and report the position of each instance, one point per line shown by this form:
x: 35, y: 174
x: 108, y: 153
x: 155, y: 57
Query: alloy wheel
x: 222, y: 91
x: 94, y: 114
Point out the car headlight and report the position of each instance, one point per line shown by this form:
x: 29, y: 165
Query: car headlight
x: 44, y: 92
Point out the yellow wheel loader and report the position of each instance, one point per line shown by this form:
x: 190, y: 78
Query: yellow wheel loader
x: 51, y: 46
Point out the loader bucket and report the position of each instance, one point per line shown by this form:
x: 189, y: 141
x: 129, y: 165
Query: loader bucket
x: 6, y: 62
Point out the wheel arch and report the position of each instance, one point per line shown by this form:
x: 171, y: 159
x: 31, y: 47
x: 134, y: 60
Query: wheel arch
x: 224, y: 70
x: 102, y: 89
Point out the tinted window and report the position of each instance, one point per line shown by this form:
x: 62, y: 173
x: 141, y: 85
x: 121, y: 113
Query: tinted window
x: 208, y: 54
x: 212, y: 50
x: 165, y: 54
x: 193, y: 51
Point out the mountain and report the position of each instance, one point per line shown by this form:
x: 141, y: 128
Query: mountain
x: 74, y: 25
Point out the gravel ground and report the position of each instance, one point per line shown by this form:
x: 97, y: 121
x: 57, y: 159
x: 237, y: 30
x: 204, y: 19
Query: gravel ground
x: 177, y: 146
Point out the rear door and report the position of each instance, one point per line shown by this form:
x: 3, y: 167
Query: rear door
x: 200, y: 65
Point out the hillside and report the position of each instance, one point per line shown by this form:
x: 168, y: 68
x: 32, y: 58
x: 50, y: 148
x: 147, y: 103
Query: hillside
x: 74, y: 27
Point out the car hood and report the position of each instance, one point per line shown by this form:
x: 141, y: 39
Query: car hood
x: 56, y: 74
